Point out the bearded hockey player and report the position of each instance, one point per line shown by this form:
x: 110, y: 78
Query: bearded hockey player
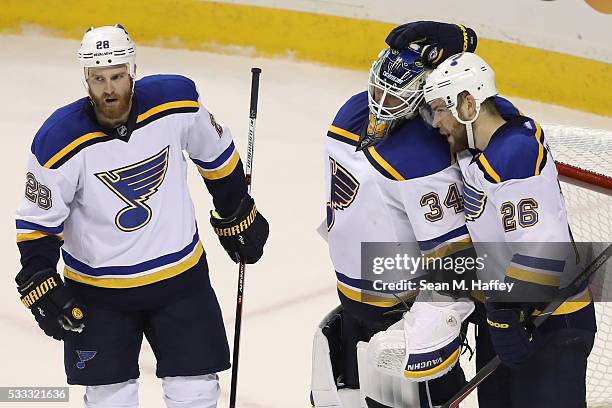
x: 516, y: 215
x: 391, y: 178
x: 106, y: 182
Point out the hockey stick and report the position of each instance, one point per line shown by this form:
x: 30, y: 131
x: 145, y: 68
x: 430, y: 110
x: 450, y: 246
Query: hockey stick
x: 492, y: 365
x: 248, y: 173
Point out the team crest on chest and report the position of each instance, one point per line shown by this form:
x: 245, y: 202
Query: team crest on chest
x: 344, y: 189
x: 135, y: 184
x: 474, y: 202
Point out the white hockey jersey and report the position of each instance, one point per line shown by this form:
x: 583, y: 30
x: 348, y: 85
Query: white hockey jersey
x: 516, y: 213
x: 119, y: 197
x: 405, y: 189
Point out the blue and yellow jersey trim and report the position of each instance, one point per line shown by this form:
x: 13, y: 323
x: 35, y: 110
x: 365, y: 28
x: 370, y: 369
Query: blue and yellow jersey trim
x: 413, y: 150
x: 145, y: 273
x: 516, y: 151
x: 447, y: 244
x: 166, y: 109
x: 29, y: 231
x: 220, y: 167
x: 73, y: 148
x: 546, y: 273
x: 541, y: 271
x: 72, y: 128
x: 573, y: 304
x: 375, y: 159
x: 355, y: 289
x: 343, y: 135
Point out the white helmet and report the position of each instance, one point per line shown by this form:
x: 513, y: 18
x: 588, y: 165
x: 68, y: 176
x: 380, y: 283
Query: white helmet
x: 461, y: 72
x: 107, y: 46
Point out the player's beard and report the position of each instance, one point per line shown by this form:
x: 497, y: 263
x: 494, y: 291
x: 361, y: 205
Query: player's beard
x: 112, y: 107
x: 458, y: 139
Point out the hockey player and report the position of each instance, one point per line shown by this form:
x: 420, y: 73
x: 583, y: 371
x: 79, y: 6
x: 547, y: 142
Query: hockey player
x: 106, y: 182
x: 513, y: 199
x: 391, y: 178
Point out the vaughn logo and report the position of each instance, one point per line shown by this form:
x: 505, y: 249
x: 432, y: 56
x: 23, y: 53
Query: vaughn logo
x: 424, y: 364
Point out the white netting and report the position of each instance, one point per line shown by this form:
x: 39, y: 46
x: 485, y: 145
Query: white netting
x: 589, y: 206
x: 392, y: 359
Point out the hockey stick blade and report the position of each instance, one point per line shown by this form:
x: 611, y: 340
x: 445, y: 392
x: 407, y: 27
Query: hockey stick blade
x: 492, y: 365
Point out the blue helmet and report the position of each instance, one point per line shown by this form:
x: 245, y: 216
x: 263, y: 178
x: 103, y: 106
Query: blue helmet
x: 395, y: 92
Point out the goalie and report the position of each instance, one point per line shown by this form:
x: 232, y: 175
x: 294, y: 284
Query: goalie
x: 391, y: 178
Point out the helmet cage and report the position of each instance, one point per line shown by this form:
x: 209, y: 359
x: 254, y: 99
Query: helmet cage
x: 395, y: 86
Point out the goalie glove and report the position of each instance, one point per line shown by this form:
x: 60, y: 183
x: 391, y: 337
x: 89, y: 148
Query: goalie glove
x: 428, y: 346
x: 51, y: 303
x: 438, y: 40
x: 511, y: 334
x: 242, y: 234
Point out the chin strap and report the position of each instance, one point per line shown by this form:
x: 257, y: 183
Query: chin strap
x: 468, y: 124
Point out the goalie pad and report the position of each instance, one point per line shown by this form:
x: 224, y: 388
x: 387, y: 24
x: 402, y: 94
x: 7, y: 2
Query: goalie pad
x: 426, y: 346
x: 326, y: 355
x: 381, y: 387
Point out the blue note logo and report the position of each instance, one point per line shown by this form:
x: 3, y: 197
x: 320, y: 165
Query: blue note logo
x: 474, y: 202
x: 83, y: 357
x: 135, y: 184
x: 344, y: 189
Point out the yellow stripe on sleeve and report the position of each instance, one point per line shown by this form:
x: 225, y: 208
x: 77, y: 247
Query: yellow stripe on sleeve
x: 384, y: 164
x: 449, y: 249
x: 571, y: 306
x: 31, y: 236
x: 344, y: 133
x: 492, y: 173
x: 533, y: 277
x: 166, y: 106
x: 76, y: 143
x: 223, y: 171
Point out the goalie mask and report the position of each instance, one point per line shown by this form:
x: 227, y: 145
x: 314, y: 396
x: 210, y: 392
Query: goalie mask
x: 395, y: 91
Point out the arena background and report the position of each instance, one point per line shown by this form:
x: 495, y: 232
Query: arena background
x: 550, y: 51
x: 551, y: 57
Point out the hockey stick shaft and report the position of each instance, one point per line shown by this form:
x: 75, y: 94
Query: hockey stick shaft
x: 492, y: 365
x: 241, y: 269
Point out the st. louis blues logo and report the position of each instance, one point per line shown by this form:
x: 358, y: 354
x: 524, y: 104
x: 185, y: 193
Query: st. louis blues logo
x: 83, y: 357
x: 135, y: 184
x: 344, y: 189
x: 474, y: 202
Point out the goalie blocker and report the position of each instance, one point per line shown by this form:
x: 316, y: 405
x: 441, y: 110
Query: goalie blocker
x: 389, y: 376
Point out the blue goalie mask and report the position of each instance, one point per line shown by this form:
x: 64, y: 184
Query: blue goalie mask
x: 395, y: 92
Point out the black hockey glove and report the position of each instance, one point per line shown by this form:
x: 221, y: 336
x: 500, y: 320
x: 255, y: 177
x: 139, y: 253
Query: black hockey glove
x: 511, y: 333
x: 244, y: 233
x: 439, y: 40
x: 51, y: 303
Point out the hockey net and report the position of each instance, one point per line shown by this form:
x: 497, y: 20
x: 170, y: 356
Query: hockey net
x: 584, y: 161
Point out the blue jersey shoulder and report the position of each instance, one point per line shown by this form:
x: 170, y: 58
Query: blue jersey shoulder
x: 415, y: 150
x: 505, y: 108
x: 353, y: 114
x: 152, y: 91
x: 63, y: 127
x: 516, y: 151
